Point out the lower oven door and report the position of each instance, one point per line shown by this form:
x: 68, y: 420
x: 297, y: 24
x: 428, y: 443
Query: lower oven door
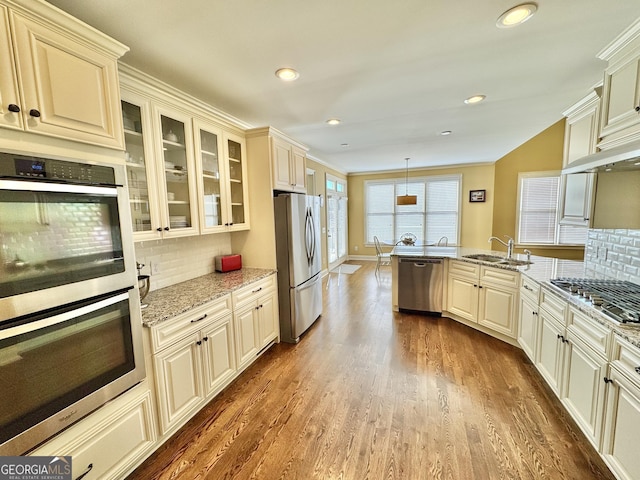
x: 58, y: 366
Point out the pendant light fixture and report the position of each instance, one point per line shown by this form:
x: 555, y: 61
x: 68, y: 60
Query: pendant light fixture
x: 407, y: 199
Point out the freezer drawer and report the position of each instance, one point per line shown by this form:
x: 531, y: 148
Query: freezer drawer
x: 305, y: 302
x: 420, y: 284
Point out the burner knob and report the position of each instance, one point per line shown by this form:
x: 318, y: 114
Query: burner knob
x: 573, y: 288
x: 596, y: 300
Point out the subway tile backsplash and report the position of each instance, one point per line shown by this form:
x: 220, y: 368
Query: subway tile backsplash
x: 181, y: 259
x: 613, y: 254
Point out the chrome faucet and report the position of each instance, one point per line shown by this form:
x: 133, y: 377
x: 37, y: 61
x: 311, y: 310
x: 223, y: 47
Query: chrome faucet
x: 508, y: 244
x: 528, y: 253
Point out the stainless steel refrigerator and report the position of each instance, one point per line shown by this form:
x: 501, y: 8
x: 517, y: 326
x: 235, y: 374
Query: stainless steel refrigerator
x: 298, y: 253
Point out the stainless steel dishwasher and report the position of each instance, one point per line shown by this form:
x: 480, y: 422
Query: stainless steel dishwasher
x: 420, y: 284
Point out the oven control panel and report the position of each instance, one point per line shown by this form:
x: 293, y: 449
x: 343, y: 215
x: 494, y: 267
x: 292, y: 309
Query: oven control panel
x: 35, y: 168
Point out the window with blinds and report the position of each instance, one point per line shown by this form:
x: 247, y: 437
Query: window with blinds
x: 538, y: 202
x: 436, y: 214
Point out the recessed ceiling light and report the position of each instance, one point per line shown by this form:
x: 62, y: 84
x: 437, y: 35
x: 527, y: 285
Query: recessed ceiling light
x: 333, y: 121
x: 475, y: 99
x: 287, y: 74
x: 345, y: 145
x: 516, y: 15
x: 444, y: 133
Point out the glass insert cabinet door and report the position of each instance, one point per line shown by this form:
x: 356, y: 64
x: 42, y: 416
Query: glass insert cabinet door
x: 211, y: 188
x: 139, y: 171
x: 179, y: 175
x: 236, y: 164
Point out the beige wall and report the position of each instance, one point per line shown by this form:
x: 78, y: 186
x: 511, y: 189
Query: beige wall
x: 540, y: 153
x: 320, y: 178
x: 476, y: 218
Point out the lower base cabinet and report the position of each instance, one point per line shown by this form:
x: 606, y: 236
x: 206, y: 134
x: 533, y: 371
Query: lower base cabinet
x: 111, y: 442
x: 549, y: 353
x: 528, y: 326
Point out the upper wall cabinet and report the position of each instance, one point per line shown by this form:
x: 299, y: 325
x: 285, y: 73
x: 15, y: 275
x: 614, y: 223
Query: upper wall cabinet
x: 63, y: 79
x: 289, y: 170
x: 582, y: 127
x: 620, y: 117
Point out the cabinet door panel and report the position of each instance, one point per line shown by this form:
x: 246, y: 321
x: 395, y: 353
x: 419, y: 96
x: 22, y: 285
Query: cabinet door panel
x: 497, y: 310
x: 549, y: 353
x: 299, y: 170
x: 528, y: 327
x: 622, y: 99
x: 622, y: 425
x: 220, y: 362
x: 177, y: 376
x: 462, y: 298
x: 584, y: 389
x: 246, y: 335
x: 74, y: 88
x: 8, y: 79
x: 282, y: 171
x: 268, y: 319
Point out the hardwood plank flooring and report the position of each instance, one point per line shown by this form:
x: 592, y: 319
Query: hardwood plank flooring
x: 373, y: 394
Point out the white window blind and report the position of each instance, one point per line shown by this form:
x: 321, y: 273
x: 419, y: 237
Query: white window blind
x: 435, y: 215
x: 538, y: 212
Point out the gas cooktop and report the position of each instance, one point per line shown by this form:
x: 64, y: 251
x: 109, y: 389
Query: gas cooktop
x: 618, y: 299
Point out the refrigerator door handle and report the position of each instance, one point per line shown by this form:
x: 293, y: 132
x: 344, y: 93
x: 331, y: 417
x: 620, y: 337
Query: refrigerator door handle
x: 313, y: 235
x: 308, y: 225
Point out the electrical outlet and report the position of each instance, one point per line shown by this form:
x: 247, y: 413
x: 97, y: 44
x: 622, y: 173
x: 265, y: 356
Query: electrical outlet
x: 355, y: 248
x: 155, y: 268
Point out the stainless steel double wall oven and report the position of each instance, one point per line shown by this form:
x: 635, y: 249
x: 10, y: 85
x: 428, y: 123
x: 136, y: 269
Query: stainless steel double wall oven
x: 70, y: 328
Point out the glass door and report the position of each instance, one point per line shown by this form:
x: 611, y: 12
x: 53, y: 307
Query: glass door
x: 336, y: 220
x: 237, y: 186
x: 140, y: 171
x: 178, y: 175
x: 210, y: 177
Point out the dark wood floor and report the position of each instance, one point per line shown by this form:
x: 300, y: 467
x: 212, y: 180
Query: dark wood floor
x: 372, y: 394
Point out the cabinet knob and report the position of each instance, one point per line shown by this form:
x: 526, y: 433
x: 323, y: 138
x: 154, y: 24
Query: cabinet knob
x: 199, y: 342
x: 166, y: 229
x: 637, y: 108
x: 13, y: 108
x: 34, y: 113
x: 159, y: 229
x: 206, y: 339
x: 637, y: 369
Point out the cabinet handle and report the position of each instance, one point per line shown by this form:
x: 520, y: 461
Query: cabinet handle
x: 199, y: 319
x: 34, y: 113
x: 607, y: 380
x: 637, y: 369
x: 84, y: 474
x: 256, y: 291
x: 199, y: 342
x: 561, y: 337
x: 166, y: 229
x: 206, y: 339
x: 479, y: 286
x: 159, y: 229
x: 534, y: 313
x: 637, y: 108
x: 13, y: 108
x: 476, y: 286
x: 527, y: 287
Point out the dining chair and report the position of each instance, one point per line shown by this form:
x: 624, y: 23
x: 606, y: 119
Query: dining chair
x: 381, y: 257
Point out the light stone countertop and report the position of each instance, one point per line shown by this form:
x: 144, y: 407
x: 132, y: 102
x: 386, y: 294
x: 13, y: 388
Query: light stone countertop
x: 542, y: 270
x: 167, y: 302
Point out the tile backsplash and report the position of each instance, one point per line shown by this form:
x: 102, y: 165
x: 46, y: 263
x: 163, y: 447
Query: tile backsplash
x: 180, y: 259
x: 613, y: 254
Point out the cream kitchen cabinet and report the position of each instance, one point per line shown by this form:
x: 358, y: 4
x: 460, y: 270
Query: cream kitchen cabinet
x: 551, y: 339
x: 484, y: 295
x: 194, y: 357
x: 256, y: 319
x: 222, y: 179
x: 620, y: 116
x: 111, y: 442
x: 585, y: 367
x: 582, y: 127
x: 289, y: 166
x: 528, y: 316
x: 622, y: 412
x: 58, y: 77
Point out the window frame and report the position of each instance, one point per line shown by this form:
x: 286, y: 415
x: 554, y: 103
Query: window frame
x: 399, y: 189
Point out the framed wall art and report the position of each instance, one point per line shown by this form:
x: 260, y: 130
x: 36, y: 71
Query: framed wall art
x: 477, y: 195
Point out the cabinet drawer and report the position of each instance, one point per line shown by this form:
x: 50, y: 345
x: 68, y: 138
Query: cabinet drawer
x: 626, y: 358
x: 166, y: 333
x: 529, y: 289
x: 252, y: 291
x: 499, y: 276
x: 466, y: 269
x: 555, y: 306
x: 589, y: 331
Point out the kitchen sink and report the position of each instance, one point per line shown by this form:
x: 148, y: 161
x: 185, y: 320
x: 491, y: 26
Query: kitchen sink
x: 483, y: 257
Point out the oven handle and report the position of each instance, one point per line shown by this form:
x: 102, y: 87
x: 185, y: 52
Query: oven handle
x: 110, y: 191
x: 62, y: 317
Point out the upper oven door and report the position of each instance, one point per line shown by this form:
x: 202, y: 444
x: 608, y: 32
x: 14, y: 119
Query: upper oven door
x: 60, y: 243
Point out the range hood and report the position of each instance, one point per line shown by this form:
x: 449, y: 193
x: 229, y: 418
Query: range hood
x: 625, y: 157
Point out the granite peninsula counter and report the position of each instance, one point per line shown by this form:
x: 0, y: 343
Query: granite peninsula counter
x: 168, y: 302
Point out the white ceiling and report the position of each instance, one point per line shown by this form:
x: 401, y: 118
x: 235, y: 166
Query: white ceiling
x: 395, y: 72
